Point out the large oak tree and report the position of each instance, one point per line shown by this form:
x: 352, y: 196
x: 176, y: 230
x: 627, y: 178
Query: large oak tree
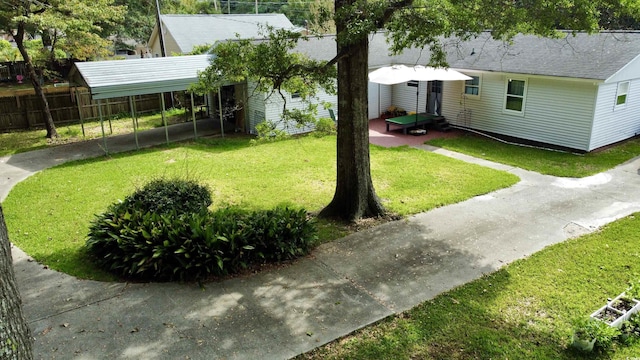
x: 408, y: 23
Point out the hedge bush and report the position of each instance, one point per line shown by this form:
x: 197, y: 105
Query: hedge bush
x: 167, y: 195
x: 174, y: 244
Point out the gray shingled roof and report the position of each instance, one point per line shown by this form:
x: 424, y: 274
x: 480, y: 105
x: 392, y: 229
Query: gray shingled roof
x: 115, y: 78
x: 596, y: 56
x: 584, y: 56
x: 192, y: 30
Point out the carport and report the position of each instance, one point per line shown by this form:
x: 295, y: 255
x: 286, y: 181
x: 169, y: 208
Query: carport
x: 128, y: 78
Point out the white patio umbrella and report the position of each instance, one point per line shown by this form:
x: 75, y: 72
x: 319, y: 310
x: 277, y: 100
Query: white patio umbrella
x: 397, y: 74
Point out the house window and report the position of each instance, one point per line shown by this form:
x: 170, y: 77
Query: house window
x: 472, y: 87
x: 296, y: 96
x: 515, y: 96
x: 621, y: 95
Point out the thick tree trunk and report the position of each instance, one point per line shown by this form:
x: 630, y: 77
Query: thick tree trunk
x: 35, y: 81
x: 355, y: 196
x: 15, y: 339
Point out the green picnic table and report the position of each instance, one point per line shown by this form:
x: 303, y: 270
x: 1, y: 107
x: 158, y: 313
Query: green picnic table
x: 409, y: 121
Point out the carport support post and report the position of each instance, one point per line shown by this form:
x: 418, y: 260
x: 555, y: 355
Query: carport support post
x: 79, y: 110
x: 104, y: 137
x: 109, y: 112
x: 193, y: 118
x: 220, y: 111
x: 133, y: 119
x: 164, y: 118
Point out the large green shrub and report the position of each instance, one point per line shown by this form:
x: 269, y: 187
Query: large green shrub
x: 175, y: 244
x: 167, y: 195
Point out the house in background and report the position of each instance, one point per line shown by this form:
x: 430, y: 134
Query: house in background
x: 581, y: 92
x: 183, y: 32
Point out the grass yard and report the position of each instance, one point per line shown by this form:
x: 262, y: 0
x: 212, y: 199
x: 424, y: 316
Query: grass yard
x: 542, y: 161
x: 49, y: 213
x: 21, y: 141
x: 523, y: 311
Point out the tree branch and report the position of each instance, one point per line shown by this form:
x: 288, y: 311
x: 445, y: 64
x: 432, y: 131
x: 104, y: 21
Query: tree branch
x: 393, y: 7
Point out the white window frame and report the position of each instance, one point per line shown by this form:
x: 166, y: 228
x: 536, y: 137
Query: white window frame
x: 622, y: 91
x: 507, y: 95
x: 473, y: 86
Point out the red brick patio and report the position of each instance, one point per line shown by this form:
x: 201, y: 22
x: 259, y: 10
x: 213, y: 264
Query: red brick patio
x: 378, y: 135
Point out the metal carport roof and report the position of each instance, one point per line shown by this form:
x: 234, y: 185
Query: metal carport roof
x: 117, y: 78
x: 127, y: 78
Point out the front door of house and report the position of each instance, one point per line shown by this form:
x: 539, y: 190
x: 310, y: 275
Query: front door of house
x: 434, y: 97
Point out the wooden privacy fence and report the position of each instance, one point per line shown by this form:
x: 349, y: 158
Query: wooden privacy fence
x: 22, y: 109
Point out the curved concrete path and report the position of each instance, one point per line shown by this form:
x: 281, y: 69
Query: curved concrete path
x: 343, y: 286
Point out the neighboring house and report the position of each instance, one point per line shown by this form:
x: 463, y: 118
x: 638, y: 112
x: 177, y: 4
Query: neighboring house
x: 183, y: 32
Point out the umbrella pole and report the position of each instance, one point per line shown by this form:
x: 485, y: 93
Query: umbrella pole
x: 417, y: 101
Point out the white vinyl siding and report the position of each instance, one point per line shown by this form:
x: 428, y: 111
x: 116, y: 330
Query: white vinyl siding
x: 404, y: 96
x: 557, y: 112
x: 273, y: 110
x: 386, y: 97
x: 611, y: 123
x: 255, y: 107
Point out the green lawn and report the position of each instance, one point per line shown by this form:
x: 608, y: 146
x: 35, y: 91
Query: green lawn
x: 523, y: 311
x: 21, y: 141
x: 542, y: 161
x: 48, y: 214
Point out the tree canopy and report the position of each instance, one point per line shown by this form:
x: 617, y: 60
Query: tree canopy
x: 73, y: 26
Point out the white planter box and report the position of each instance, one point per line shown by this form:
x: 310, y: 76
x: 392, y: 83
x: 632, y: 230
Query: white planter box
x: 613, y: 316
x: 635, y: 306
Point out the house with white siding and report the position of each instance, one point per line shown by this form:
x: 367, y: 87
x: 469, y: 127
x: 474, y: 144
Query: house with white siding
x: 581, y: 92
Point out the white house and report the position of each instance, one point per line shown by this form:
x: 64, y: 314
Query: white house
x: 580, y: 92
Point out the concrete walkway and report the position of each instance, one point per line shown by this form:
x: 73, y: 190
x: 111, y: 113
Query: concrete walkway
x: 343, y: 286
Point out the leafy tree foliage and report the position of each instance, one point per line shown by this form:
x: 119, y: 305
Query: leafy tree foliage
x: 623, y: 15
x: 267, y: 64
x: 69, y: 25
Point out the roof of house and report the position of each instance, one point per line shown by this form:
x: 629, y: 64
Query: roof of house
x: 584, y: 56
x: 191, y: 30
x: 597, y: 56
x: 115, y: 78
